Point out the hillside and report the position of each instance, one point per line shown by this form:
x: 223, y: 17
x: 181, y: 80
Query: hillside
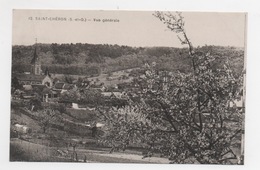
x: 91, y: 60
x: 57, y: 144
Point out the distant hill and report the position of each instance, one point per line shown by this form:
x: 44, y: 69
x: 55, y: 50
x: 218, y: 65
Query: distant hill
x: 91, y: 59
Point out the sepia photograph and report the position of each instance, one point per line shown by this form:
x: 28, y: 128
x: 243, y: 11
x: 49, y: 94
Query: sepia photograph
x: 115, y: 86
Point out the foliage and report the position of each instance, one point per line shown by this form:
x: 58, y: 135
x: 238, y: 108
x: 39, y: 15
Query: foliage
x: 159, y: 51
x: 115, y: 102
x: 186, y: 117
x: 59, y: 107
x: 49, y: 117
x: 68, y: 79
x: 90, y: 59
x: 122, y: 126
x: 63, y: 54
x: 82, y: 96
x: 35, y: 104
x: 15, y: 85
x: 70, y: 96
x: 90, y: 96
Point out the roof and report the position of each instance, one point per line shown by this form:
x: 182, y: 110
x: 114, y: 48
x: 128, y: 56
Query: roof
x: 30, y: 77
x: 59, y: 85
x: 67, y: 86
x: 40, y: 87
x: 62, y: 86
x: 108, y: 94
x: 27, y: 87
x: 56, y: 79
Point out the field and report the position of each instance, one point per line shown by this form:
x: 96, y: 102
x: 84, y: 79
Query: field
x: 27, y: 151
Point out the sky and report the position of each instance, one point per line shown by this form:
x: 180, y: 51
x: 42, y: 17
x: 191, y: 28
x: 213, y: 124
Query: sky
x: 130, y: 28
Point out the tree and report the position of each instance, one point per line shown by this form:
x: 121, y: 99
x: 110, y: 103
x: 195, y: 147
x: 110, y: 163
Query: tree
x: 186, y: 117
x: 70, y: 96
x: 15, y: 84
x: 83, y: 96
x: 48, y: 117
x: 159, y: 51
x: 91, y: 97
x: 68, y: 79
x: 35, y: 104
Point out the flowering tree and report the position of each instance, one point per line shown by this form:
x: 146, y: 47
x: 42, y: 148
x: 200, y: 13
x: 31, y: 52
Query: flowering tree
x: 187, y: 117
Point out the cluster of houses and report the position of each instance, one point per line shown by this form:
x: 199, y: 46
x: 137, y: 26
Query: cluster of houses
x: 38, y: 82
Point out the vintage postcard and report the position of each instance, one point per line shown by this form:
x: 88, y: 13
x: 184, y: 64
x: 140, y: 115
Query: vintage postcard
x: 128, y: 87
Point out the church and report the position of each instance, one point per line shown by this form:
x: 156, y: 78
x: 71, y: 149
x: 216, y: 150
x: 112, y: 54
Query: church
x: 36, y: 76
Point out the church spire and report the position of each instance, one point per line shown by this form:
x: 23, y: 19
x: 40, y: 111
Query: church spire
x: 35, y: 56
x: 35, y: 62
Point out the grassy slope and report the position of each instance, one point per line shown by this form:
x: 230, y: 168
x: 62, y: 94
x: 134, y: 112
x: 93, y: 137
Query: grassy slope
x: 26, y: 151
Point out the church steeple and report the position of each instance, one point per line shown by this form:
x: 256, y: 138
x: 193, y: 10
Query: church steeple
x: 35, y: 58
x: 35, y: 62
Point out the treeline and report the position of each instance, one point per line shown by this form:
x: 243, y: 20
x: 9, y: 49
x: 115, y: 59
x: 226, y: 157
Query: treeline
x: 90, y: 59
x: 88, y: 70
x: 66, y: 54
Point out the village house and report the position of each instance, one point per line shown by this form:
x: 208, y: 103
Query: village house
x: 62, y: 87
